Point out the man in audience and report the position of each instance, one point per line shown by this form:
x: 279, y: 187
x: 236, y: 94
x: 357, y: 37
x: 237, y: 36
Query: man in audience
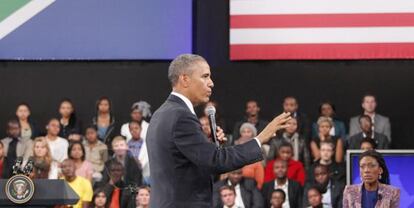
x: 278, y: 198
x: 15, y: 146
x: 337, y: 170
x: 247, y: 195
x: 228, y: 197
x: 81, y: 186
x: 292, y: 189
x: 96, y: 152
x: 291, y: 105
x: 379, y: 139
x: 368, y: 144
x: 331, y: 189
x: 252, y: 116
x: 58, y: 146
x: 314, y: 196
x: 136, y: 142
x: 132, y: 173
x: 381, y: 124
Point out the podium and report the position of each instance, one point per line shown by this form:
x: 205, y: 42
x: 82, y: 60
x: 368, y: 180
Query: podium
x: 48, y: 193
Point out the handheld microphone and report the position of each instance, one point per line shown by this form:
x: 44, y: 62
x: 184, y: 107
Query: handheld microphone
x: 211, y: 112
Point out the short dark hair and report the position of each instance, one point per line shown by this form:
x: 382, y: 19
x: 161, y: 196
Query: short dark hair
x: 285, y: 144
x: 316, y: 188
x: 280, y: 191
x: 134, y: 122
x: 370, y: 141
x: 368, y: 95
x: 226, y: 187
x: 71, y: 146
x: 364, y: 117
x: 327, y: 103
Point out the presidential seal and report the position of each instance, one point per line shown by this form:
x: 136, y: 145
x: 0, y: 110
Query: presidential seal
x: 19, y: 189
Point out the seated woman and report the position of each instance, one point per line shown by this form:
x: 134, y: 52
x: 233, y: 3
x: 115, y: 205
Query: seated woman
x: 327, y: 109
x: 325, y: 125
x: 29, y: 129
x: 375, y: 190
x: 143, y: 197
x: 69, y: 123
x: 44, y: 166
x: 255, y: 170
x: 76, y: 153
x: 99, y: 199
x: 295, y: 171
x: 104, y: 120
x: 139, y: 111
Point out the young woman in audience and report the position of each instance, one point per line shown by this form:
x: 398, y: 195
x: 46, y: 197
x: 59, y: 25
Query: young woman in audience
x: 139, y: 111
x: 325, y: 125
x: 84, y: 168
x: 96, y: 152
x: 104, y: 120
x: 29, y: 130
x: 255, y: 170
x: 69, y: 124
x: 327, y: 109
x: 99, y: 199
x: 44, y: 166
x: 143, y: 197
x: 278, y: 198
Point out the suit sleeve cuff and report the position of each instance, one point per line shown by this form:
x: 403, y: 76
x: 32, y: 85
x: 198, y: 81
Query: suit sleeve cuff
x: 258, y: 142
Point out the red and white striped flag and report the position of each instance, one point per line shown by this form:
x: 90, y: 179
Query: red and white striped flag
x: 321, y: 29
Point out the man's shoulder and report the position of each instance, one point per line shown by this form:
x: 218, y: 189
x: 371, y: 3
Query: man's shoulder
x: 379, y: 117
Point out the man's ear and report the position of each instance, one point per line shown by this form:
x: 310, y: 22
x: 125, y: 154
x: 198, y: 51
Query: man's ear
x: 185, y: 80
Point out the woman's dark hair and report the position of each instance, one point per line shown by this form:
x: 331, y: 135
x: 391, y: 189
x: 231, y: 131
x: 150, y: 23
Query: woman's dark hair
x: 95, y: 194
x: 110, y: 107
x: 280, y: 191
x: 370, y: 141
x: 385, y: 176
x: 27, y: 106
x: 91, y: 127
x: 71, y: 146
x: 72, y: 117
x: 327, y: 103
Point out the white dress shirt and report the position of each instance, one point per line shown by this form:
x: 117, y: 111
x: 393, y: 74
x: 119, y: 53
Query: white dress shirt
x: 326, y: 197
x: 284, y: 187
x: 239, y: 200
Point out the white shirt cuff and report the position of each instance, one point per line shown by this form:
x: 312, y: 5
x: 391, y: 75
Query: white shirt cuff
x: 258, y: 142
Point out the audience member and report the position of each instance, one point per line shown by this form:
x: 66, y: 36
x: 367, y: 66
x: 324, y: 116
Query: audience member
x: 295, y: 170
x: 96, y: 152
x: 278, y: 198
x: 227, y: 197
x: 252, y: 116
x: 292, y: 136
x: 327, y: 109
x: 337, y: 170
x: 81, y: 186
x: 139, y: 111
x: 15, y: 146
x: 5, y: 172
x: 44, y: 166
x: 380, y: 140
x: 205, y: 126
x: 99, y: 199
x: 292, y: 189
x: 29, y: 129
x: 77, y: 154
x: 291, y: 105
x: 219, y: 119
x: 368, y: 144
x: 143, y: 197
x: 69, y: 123
x: 104, y: 120
x: 136, y: 142
x: 58, y: 146
x: 314, y: 196
x: 247, y: 195
x: 325, y: 125
x: 381, y: 124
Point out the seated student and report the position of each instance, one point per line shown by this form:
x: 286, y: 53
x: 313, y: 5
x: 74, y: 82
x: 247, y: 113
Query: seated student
x: 247, y: 194
x: 365, y: 122
x: 5, y: 172
x: 278, y: 198
x: 96, y: 152
x: 44, y: 166
x: 84, y: 168
x: 29, y: 129
x: 327, y: 109
x: 69, y: 123
x: 368, y: 144
x: 58, y: 146
x: 293, y: 190
x: 136, y: 143
x: 324, y: 127
x: 81, y: 186
x: 139, y: 111
x: 295, y: 170
x: 337, y: 170
x: 132, y: 173
x: 99, y: 199
x: 143, y: 197
x: 256, y: 170
x: 292, y: 136
x: 115, y: 189
x: 331, y: 189
x: 227, y: 197
x: 315, y: 198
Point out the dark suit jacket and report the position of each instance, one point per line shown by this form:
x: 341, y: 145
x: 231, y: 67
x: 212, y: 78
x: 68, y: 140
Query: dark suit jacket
x: 381, y: 125
x: 251, y: 196
x: 132, y: 172
x: 295, y: 192
x: 182, y: 160
x: 337, y: 188
x: 354, y: 142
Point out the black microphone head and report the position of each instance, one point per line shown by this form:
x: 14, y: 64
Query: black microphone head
x: 211, y: 110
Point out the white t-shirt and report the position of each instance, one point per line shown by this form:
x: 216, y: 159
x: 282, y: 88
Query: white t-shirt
x: 58, y: 149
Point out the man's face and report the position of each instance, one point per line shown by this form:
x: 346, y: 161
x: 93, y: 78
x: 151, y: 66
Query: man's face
x: 366, y: 125
x: 228, y: 197
x: 280, y: 169
x: 314, y: 197
x: 120, y: 148
x: 135, y: 130
x: 326, y: 152
x: 285, y: 153
x: 290, y: 105
x: 366, y: 146
x: 326, y: 110
x: 116, y: 172
x: 68, y: 168
x: 13, y: 130
x: 252, y: 109
x: 91, y: 135
x: 53, y: 128
x: 199, y: 83
x: 321, y: 175
x: 235, y: 177
x: 369, y: 104
x: 277, y: 199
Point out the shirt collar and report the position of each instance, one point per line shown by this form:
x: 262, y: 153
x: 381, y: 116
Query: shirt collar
x: 281, y: 186
x: 186, y: 101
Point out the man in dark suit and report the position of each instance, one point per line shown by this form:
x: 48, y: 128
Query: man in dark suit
x: 292, y: 188
x: 380, y: 140
x: 247, y: 194
x: 331, y: 189
x: 182, y: 160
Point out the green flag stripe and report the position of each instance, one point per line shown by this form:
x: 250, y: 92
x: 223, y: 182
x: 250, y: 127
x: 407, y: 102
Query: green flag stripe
x: 7, y: 7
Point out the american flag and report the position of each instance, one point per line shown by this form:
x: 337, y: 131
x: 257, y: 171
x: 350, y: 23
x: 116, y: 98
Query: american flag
x: 321, y: 29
